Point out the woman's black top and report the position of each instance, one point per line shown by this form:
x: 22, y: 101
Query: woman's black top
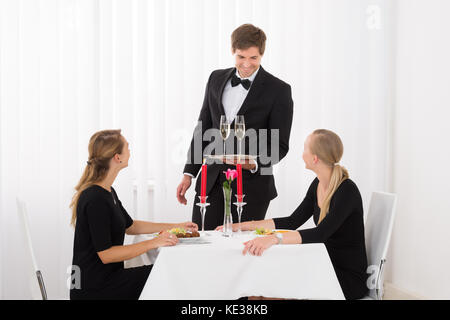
x: 101, y: 224
x: 342, y: 232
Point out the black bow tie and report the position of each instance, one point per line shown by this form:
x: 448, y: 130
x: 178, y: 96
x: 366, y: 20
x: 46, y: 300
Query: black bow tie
x: 235, y: 80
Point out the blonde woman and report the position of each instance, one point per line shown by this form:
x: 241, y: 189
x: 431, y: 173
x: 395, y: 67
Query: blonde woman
x: 334, y: 202
x: 101, y: 222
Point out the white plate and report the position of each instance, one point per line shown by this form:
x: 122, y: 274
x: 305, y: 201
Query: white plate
x: 201, y: 239
x: 191, y: 240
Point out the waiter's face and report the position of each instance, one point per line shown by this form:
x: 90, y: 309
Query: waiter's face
x: 247, y: 61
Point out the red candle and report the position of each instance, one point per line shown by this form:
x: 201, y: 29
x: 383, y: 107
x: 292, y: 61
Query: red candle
x: 203, y: 188
x: 239, y: 182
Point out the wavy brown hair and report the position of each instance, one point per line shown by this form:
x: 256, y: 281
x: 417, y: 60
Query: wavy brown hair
x: 329, y: 149
x: 103, y: 145
x: 247, y: 36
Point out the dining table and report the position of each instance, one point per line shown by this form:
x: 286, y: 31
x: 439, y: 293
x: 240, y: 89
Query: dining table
x: 213, y: 267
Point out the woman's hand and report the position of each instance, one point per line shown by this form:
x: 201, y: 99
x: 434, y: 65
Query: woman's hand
x: 258, y: 245
x: 190, y: 226
x: 245, y: 226
x: 165, y: 239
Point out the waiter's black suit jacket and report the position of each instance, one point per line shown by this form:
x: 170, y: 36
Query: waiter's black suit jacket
x: 268, y: 105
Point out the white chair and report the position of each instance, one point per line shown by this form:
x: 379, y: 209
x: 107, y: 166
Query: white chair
x: 21, y: 208
x: 378, y: 230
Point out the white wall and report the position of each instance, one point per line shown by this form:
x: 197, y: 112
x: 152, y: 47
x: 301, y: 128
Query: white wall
x: 420, y: 256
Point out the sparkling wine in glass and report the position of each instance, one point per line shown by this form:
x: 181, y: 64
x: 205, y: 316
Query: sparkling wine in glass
x: 224, y: 130
x: 239, y: 129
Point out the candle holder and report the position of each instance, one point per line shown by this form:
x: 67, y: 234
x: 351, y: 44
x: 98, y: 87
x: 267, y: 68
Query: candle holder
x: 239, y: 204
x: 203, y: 206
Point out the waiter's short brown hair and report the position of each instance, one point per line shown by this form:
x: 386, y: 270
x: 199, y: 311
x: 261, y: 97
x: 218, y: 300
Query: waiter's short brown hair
x: 247, y: 36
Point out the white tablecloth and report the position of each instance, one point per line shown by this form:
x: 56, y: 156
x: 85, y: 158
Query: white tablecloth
x: 219, y: 270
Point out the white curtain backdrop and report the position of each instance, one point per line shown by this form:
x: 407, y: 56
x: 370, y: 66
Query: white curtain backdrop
x: 69, y: 68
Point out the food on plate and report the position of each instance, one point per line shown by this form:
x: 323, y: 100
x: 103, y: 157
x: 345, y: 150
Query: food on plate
x: 263, y: 231
x: 183, y: 233
x: 267, y: 232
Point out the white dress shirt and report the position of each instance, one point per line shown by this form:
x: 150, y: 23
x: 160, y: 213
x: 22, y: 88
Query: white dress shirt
x: 232, y: 100
x: 233, y: 97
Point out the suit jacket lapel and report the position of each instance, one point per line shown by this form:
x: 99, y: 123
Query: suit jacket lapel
x: 222, y: 87
x: 255, y: 90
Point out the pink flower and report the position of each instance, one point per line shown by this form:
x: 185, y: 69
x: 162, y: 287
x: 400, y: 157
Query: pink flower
x: 231, y: 174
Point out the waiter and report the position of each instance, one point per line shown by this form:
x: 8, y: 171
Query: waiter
x: 266, y: 104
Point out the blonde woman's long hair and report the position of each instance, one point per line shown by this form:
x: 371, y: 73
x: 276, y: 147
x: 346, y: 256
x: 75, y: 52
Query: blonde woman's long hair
x: 103, y: 145
x: 328, y: 147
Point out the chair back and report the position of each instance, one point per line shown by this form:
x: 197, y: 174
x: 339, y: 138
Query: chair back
x: 378, y: 231
x: 23, y: 216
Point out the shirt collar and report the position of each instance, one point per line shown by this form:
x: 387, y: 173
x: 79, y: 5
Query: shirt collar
x: 251, y: 78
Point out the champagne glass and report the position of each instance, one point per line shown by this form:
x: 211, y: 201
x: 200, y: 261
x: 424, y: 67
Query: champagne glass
x: 239, y: 129
x: 224, y: 130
